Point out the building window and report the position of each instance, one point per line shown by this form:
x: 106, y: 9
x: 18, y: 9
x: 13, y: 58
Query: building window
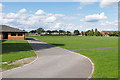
x: 13, y: 34
x: 105, y: 32
x: 20, y: 34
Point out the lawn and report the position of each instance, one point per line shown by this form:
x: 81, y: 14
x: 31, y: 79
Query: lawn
x: 13, y: 50
x: 80, y: 42
x: 106, y: 61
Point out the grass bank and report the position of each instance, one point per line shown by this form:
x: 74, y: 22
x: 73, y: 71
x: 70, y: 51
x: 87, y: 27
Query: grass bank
x: 13, y: 50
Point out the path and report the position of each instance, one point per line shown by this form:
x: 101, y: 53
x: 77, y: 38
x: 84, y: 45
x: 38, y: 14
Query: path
x: 95, y: 49
x: 52, y: 62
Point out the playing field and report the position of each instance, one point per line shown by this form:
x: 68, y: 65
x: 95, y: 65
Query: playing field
x: 106, y: 61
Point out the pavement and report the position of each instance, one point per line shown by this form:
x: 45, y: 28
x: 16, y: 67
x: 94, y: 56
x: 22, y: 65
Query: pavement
x: 52, y: 62
x: 95, y: 49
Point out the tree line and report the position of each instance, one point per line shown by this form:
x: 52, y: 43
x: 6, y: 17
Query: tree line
x: 91, y: 32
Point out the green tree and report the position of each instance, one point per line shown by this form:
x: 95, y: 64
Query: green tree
x: 96, y: 32
x: 68, y: 33
x: 61, y: 31
x: 55, y: 31
x: 49, y: 31
x: 119, y: 34
x: 40, y: 30
x: 76, y: 32
x: 33, y: 31
x: 92, y: 32
x: 88, y: 33
x: 115, y: 33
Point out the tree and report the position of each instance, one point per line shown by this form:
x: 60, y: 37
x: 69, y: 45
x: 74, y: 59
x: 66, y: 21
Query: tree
x: 76, y: 32
x: 114, y: 33
x: 49, y: 31
x: 92, y: 32
x: 99, y: 34
x: 110, y: 34
x: 96, y: 32
x: 55, y: 31
x: 33, y: 31
x: 61, y: 31
x: 119, y: 34
x: 87, y: 33
x: 40, y: 30
x: 68, y: 33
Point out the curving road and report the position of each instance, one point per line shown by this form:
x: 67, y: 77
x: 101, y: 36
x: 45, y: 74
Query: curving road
x: 52, y: 62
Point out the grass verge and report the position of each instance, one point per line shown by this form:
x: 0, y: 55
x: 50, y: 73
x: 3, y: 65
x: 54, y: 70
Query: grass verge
x: 13, y: 50
x: 106, y: 62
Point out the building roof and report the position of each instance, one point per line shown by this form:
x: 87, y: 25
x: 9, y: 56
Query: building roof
x: 110, y: 31
x: 5, y: 28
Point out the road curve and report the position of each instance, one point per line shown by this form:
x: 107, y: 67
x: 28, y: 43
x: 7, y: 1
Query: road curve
x: 52, y: 62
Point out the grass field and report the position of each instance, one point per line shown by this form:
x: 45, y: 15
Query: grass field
x: 106, y: 61
x: 78, y: 42
x: 13, y: 50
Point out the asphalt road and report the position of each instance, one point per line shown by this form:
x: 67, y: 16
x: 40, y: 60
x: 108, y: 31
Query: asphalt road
x: 52, y: 62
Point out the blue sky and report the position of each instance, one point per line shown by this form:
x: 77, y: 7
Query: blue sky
x: 60, y: 15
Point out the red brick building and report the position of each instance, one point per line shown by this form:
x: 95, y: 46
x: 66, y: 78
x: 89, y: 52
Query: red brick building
x: 11, y: 33
x: 108, y: 32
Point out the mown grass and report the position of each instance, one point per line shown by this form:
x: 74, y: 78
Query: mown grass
x: 106, y: 61
x: 13, y: 50
x: 80, y: 42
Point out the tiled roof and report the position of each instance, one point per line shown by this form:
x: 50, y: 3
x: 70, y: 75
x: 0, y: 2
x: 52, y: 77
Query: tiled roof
x: 5, y: 28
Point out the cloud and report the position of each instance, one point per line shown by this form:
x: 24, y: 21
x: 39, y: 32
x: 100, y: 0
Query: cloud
x: 22, y: 10
x: 106, y: 3
x: 66, y: 27
x: 94, y: 17
x: 39, y: 12
x: 109, y: 23
x: 51, y: 19
x: 28, y: 21
x: 103, y: 3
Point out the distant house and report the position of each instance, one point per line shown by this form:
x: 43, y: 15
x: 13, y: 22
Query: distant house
x: 33, y: 34
x: 11, y: 33
x: 83, y: 33
x: 108, y: 32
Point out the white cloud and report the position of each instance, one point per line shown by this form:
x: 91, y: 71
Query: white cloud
x: 109, y: 23
x: 29, y: 21
x: 39, y: 12
x: 59, y: 15
x: 57, y: 25
x: 103, y: 3
x: 106, y: 3
x: 51, y: 19
x: 94, y: 17
x: 22, y: 10
x: 11, y: 15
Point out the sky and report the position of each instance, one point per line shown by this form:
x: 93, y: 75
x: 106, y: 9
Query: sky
x: 60, y: 15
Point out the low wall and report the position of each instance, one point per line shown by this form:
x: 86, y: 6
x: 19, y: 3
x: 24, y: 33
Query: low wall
x: 16, y: 37
x: 0, y: 36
